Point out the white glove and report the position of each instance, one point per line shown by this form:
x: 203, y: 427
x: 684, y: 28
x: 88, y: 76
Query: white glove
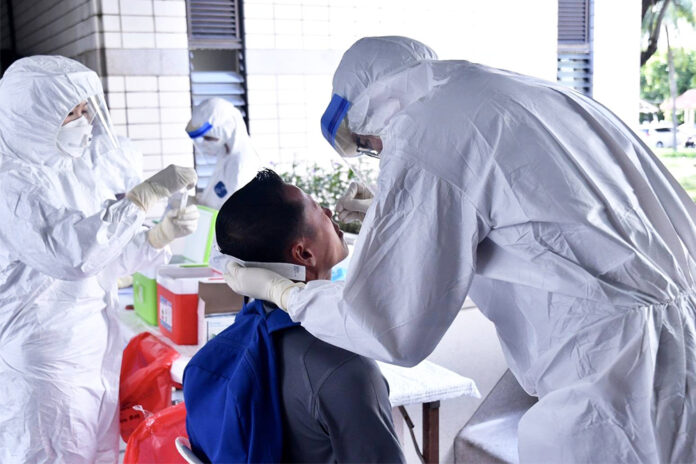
x: 353, y: 205
x: 162, y: 185
x: 261, y: 284
x: 173, y: 226
x: 175, y: 200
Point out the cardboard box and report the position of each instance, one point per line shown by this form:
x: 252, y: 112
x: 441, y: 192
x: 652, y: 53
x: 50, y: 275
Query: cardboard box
x: 218, y: 306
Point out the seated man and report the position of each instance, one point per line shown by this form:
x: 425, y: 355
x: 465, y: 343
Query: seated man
x: 334, y: 405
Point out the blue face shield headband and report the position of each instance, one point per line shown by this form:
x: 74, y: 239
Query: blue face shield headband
x: 333, y: 116
x: 200, y: 131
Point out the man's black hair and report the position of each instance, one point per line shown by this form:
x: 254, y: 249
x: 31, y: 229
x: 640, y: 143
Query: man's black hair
x: 258, y: 222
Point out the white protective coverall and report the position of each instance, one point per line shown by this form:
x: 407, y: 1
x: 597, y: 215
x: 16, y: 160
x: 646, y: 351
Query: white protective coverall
x: 237, y: 161
x: 566, y: 230
x: 65, y: 241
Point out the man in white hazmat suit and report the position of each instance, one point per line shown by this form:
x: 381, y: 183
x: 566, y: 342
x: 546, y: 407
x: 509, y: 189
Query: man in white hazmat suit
x: 217, y: 129
x: 565, y: 229
x: 65, y: 240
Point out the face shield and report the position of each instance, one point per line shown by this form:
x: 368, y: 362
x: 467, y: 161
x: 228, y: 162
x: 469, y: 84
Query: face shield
x: 206, y: 146
x: 87, y: 119
x: 334, y: 127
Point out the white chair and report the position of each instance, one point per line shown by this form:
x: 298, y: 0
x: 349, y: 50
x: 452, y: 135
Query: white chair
x: 184, y: 448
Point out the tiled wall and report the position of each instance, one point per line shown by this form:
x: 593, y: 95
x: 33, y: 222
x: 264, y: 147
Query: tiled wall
x: 140, y: 48
x: 147, y: 77
x: 294, y: 46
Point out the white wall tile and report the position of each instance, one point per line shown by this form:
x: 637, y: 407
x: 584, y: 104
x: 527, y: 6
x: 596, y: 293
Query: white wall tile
x: 143, y: 115
x: 294, y: 82
x: 183, y: 159
x: 174, y: 145
x: 170, y: 24
x: 259, y: 26
x: 137, y: 23
x: 175, y: 99
x: 292, y: 126
x: 263, y: 127
x: 287, y: 26
x: 142, y: 100
x: 149, y: 147
x: 167, y: 40
x: 112, y: 23
x: 312, y: 13
x: 287, y: 12
x: 173, y: 130
x: 170, y: 8
x: 152, y: 164
x: 259, y: 41
x: 112, y: 40
x: 109, y: 6
x: 138, y: 40
x: 116, y: 100
x: 315, y: 42
x: 293, y: 140
x: 289, y: 42
x: 136, y: 7
x: 114, y: 83
x: 316, y: 28
x: 141, y: 83
x: 175, y: 115
x: 261, y: 82
x: 264, y: 111
x: 174, y: 83
x: 144, y: 131
x: 118, y: 116
x: 254, y: 11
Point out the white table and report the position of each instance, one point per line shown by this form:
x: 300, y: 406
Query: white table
x: 425, y: 383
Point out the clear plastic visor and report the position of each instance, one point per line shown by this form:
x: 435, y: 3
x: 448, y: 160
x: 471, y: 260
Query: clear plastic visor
x: 76, y: 134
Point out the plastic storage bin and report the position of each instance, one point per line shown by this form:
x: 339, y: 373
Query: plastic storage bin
x: 177, y: 301
x: 145, y: 297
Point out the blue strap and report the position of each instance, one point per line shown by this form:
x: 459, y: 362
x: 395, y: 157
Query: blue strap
x: 200, y: 131
x: 332, y: 117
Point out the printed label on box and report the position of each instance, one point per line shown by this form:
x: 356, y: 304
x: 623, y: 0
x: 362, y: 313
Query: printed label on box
x: 165, y: 315
x: 217, y: 324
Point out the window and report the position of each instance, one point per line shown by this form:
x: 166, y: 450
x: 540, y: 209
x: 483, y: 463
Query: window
x: 575, y: 45
x: 216, y: 51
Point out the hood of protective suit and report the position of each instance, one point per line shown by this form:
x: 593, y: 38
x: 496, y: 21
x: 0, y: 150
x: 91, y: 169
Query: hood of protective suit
x: 379, y: 77
x: 37, y: 93
x: 219, y: 118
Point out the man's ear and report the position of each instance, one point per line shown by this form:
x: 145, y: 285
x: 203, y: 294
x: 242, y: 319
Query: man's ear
x: 301, y: 254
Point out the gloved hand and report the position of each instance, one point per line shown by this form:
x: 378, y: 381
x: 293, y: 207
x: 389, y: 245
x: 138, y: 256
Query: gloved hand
x: 353, y: 205
x: 162, y: 185
x: 261, y: 284
x: 175, y: 200
x: 173, y: 226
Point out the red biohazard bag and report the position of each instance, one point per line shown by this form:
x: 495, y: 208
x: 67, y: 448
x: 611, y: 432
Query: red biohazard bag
x: 146, y: 384
x: 153, y: 440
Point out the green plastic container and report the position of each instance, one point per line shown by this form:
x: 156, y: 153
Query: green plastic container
x: 145, y: 297
x: 196, y: 253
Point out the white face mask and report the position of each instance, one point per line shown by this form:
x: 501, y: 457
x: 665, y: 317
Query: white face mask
x: 210, y: 147
x: 74, y: 137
